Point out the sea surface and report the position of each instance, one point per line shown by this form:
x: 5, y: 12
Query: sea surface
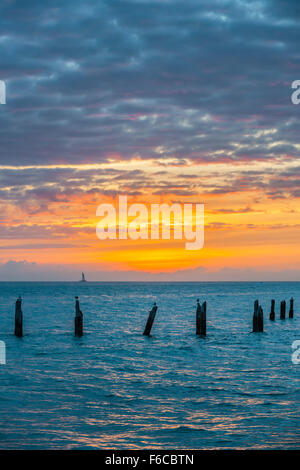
x: 117, y: 389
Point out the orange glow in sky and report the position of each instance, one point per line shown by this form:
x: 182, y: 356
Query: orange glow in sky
x: 246, y: 225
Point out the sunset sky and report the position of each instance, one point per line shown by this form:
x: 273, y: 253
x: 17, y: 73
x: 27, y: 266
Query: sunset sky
x: 160, y: 100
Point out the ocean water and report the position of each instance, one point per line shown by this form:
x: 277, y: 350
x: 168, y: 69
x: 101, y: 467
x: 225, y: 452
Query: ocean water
x: 116, y: 389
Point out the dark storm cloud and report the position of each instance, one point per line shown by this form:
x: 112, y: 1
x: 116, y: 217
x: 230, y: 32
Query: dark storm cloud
x: 88, y: 80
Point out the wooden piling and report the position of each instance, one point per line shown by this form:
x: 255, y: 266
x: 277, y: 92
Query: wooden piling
x: 19, y: 318
x: 282, y: 310
x: 201, y: 319
x: 198, y: 317
x: 255, y: 317
x: 291, y: 311
x: 272, y: 313
x: 78, y: 319
x: 150, y: 320
x: 260, y: 319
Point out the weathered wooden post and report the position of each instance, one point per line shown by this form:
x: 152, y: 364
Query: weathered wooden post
x: 272, y: 313
x: 78, y: 319
x: 282, y: 310
x: 19, y: 318
x: 198, y: 318
x: 150, y: 320
x: 260, y: 319
x: 201, y: 319
x: 291, y: 312
x: 255, y: 317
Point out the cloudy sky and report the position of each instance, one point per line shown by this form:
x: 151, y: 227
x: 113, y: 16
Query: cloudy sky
x: 160, y: 100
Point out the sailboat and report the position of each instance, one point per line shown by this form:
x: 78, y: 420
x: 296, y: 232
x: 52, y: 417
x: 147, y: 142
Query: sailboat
x: 83, y: 279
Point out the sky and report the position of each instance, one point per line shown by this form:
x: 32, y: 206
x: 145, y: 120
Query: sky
x: 164, y: 101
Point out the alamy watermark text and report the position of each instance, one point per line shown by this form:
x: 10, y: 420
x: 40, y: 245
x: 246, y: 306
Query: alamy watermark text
x: 135, y: 221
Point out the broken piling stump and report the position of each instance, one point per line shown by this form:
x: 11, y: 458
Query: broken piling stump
x: 201, y: 319
x: 291, y: 311
x: 258, y: 318
x: 272, y: 313
x: 18, y: 318
x: 198, y: 317
x: 255, y: 317
x: 78, y: 319
x: 282, y: 310
x: 150, y: 320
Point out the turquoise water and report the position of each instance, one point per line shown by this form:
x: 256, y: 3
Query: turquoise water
x: 115, y: 388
